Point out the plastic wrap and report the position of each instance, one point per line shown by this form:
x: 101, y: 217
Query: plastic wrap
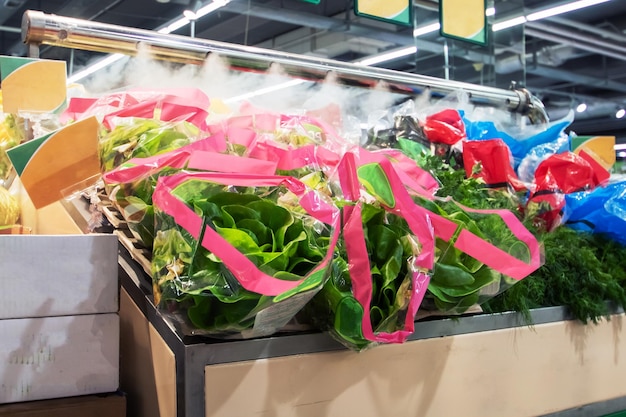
x: 229, y: 260
x: 490, y: 160
x: 137, y: 137
x: 380, y: 274
x: 602, y: 210
x: 557, y: 176
x: 11, y: 134
x: 521, y: 141
x: 168, y: 105
x: 130, y: 185
x: 480, y: 253
x: 9, y: 208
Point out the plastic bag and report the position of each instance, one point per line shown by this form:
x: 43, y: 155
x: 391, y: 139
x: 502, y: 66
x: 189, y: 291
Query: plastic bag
x: 169, y: 105
x: 380, y: 273
x: 444, y: 127
x: 528, y: 165
x: 602, y: 210
x: 397, y: 127
x: 137, y: 138
x: 520, y: 142
x: 557, y: 176
x: 130, y: 186
x: 11, y: 135
x: 480, y: 253
x: 229, y: 260
x: 493, y: 158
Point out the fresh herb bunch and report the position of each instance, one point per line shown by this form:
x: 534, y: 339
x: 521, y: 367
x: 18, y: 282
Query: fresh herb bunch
x: 471, y: 192
x: 10, y: 135
x: 142, y: 138
x: 390, y: 246
x: 190, y: 279
x: 581, y: 272
x: 459, y: 281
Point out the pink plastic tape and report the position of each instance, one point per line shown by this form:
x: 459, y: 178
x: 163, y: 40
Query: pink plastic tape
x: 359, y: 265
x: 248, y: 275
x: 200, y: 155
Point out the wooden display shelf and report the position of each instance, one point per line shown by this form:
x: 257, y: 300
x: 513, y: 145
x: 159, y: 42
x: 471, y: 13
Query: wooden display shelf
x: 479, y: 365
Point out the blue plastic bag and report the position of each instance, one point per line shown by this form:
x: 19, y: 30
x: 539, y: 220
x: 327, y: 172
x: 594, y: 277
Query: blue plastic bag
x: 520, y: 147
x: 602, y: 210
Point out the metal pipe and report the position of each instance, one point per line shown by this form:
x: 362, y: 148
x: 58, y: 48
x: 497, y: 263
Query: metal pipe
x: 602, y: 33
x: 9, y: 29
x: 537, y: 33
x: 40, y: 28
x: 593, y: 40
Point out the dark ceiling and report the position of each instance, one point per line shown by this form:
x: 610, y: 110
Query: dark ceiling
x: 574, y: 57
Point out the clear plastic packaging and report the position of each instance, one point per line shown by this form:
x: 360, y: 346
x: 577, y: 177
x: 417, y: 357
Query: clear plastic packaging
x: 229, y: 260
x: 380, y: 272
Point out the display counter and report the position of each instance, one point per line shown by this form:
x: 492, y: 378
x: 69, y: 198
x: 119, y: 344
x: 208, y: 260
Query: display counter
x: 477, y: 365
x: 474, y: 365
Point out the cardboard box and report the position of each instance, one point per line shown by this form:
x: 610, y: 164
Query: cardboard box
x: 56, y: 270
x: 42, y: 276
x: 55, y: 357
x: 59, y: 297
x: 108, y: 405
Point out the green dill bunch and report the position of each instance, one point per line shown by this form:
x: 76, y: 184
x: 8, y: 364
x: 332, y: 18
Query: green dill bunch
x: 582, y: 272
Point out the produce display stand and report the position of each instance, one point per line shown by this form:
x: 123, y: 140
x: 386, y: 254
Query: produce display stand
x: 475, y: 365
x: 479, y: 365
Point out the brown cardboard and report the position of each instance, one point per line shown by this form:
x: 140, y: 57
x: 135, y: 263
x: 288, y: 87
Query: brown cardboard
x: 514, y: 372
x: 147, y: 365
x: 110, y: 405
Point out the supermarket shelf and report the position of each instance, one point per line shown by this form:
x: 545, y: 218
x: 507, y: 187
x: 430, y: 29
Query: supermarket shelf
x: 194, y: 353
x: 225, y: 351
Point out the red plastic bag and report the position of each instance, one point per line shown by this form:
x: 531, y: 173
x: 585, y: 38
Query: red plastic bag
x: 566, y: 173
x: 444, y: 127
x: 558, y: 175
x: 494, y: 158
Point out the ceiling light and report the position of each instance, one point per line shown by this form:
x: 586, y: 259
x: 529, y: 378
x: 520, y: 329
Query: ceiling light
x: 388, y: 56
x: 211, y: 7
x: 621, y: 154
x: 423, y: 30
x: 490, y: 11
x: 509, y: 23
x: 105, y: 62
x: 177, y: 24
x: 542, y: 14
x: 581, y: 107
x: 620, y: 147
x: 190, y: 15
x: 265, y: 90
x: 620, y: 113
x: 567, y: 7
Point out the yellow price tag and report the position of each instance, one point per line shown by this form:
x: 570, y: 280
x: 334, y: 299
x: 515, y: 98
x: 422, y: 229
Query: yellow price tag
x: 464, y: 20
x: 399, y: 12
